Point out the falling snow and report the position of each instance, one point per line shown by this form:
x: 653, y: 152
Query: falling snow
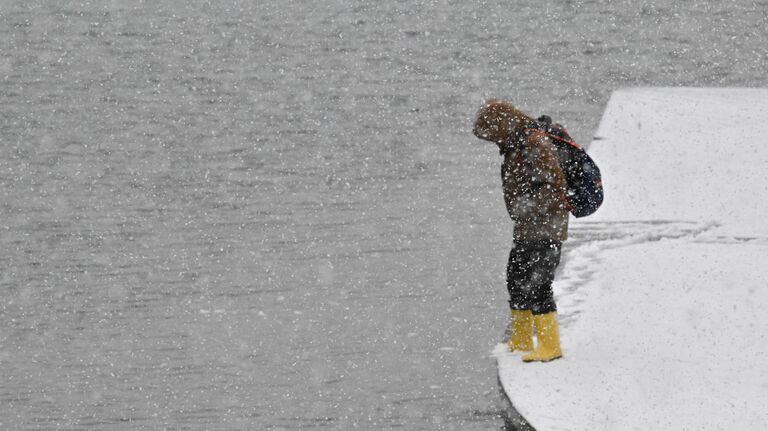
x: 250, y: 215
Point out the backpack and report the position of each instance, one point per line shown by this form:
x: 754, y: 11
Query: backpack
x: 585, y: 185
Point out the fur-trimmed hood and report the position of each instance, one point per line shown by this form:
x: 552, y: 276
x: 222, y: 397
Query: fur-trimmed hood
x: 500, y: 122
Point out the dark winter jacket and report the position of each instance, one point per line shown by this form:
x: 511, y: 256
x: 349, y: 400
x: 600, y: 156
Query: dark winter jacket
x: 533, y: 183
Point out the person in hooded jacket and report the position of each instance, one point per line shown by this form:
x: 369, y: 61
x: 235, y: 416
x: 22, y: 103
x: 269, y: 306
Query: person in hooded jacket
x: 534, y: 189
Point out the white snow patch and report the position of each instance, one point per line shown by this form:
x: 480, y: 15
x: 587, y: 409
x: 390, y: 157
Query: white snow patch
x: 663, y: 305
x: 685, y: 154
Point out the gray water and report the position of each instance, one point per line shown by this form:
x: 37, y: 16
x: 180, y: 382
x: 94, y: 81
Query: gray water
x: 273, y: 215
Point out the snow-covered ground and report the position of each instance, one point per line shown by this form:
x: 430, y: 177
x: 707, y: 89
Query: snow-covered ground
x: 664, y: 300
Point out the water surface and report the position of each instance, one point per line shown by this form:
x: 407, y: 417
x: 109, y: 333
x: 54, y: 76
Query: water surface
x: 273, y: 215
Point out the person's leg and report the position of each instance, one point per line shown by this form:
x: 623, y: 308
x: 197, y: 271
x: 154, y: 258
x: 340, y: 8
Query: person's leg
x: 544, y: 263
x: 544, y: 257
x: 521, y: 336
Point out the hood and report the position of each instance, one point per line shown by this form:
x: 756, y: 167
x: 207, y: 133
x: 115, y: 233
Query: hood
x: 500, y: 122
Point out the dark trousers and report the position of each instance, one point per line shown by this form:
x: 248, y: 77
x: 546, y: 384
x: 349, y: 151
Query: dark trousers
x: 530, y: 272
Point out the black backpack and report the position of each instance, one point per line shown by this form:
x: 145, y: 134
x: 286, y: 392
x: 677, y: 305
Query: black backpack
x: 585, y: 185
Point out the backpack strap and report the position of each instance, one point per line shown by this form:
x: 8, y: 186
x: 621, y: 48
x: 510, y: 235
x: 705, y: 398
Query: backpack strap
x: 554, y: 131
x: 566, y: 203
x: 532, y: 130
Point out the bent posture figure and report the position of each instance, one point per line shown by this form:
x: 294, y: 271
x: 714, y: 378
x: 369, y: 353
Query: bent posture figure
x: 534, y: 192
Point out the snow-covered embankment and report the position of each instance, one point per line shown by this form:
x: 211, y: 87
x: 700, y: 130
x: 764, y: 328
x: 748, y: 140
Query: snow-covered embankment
x: 664, y: 292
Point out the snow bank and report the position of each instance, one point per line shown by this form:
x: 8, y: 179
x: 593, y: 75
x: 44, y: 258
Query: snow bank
x: 663, y: 302
x: 686, y: 154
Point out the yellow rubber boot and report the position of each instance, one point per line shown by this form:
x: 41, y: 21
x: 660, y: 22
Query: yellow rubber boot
x: 548, y: 339
x: 522, y: 331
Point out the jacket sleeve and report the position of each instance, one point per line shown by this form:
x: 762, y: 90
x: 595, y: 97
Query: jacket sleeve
x: 552, y: 185
x: 534, y: 183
